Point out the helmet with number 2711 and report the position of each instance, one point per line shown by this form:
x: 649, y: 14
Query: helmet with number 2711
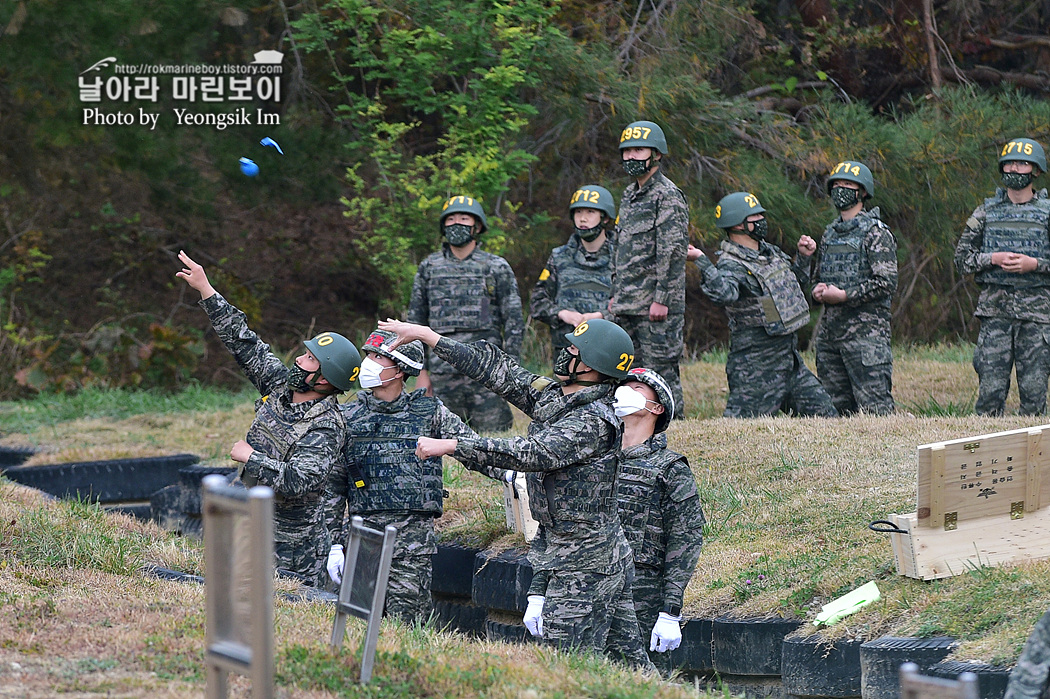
x: 604, y: 346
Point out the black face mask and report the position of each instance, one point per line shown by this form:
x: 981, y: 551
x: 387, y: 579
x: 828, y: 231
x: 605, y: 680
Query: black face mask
x: 589, y: 234
x: 1017, y: 180
x: 637, y: 168
x: 761, y: 229
x: 844, y: 198
x: 458, y: 234
x: 298, y: 379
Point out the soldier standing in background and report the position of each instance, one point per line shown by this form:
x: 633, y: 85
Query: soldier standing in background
x: 855, y: 277
x: 298, y: 431
x: 469, y: 295
x: 381, y: 479
x: 1006, y: 246
x: 652, y: 234
x: 659, y: 508
x: 575, y: 284
x: 761, y: 290
x: 580, y: 595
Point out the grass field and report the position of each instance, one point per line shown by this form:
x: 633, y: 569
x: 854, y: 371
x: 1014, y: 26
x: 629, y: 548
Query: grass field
x: 787, y: 503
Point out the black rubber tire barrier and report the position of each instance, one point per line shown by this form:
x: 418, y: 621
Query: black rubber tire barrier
x: 454, y: 568
x: 459, y: 614
x: 694, y: 655
x: 502, y: 581
x: 157, y: 571
x: 749, y: 686
x: 190, y: 479
x: 991, y: 679
x: 104, y: 481
x: 14, y: 456
x: 166, y: 507
x: 881, y: 659
x: 138, y: 510
x: 749, y: 646
x: 816, y: 667
x: 508, y: 633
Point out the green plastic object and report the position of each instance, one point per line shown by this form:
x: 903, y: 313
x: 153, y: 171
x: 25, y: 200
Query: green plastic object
x: 836, y: 609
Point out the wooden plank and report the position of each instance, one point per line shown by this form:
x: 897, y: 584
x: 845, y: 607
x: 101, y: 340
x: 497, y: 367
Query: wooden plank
x: 1035, y: 455
x: 929, y: 553
x: 982, y: 476
x: 937, y: 475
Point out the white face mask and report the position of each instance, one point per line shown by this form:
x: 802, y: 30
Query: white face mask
x: 627, y: 401
x: 370, y: 375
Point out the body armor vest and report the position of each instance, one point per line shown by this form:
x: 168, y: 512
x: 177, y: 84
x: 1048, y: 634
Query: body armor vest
x: 1020, y: 228
x: 782, y: 308
x: 382, y: 445
x: 842, y: 251
x: 462, y: 295
x: 581, y: 493
x: 584, y: 284
x: 639, y: 496
x: 274, y: 432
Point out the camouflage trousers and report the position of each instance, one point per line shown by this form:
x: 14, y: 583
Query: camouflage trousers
x: 595, y: 611
x: 770, y: 377
x: 648, y: 601
x: 479, y: 407
x: 857, y: 371
x: 300, y: 549
x: 411, y: 569
x: 659, y: 346
x: 1002, y: 344
x: 1029, y: 678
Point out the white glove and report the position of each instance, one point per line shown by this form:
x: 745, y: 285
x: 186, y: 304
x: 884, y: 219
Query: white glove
x: 509, y: 476
x: 534, y: 615
x: 335, y: 563
x: 667, y: 633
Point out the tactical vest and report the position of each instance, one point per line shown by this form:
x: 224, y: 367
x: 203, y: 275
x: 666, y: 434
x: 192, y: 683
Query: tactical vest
x: 582, y: 492
x: 383, y: 446
x: 842, y: 251
x: 639, y: 506
x: 462, y: 295
x: 782, y: 308
x: 583, y: 285
x: 275, y: 433
x: 1021, y: 228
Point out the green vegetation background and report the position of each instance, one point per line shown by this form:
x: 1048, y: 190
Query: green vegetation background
x: 390, y: 106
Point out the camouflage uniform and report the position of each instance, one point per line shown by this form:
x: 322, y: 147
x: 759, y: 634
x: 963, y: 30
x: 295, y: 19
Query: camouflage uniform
x: 295, y: 445
x: 1014, y: 308
x: 649, y: 255
x: 380, y: 479
x: 663, y: 521
x: 854, y: 360
x: 573, y: 279
x: 761, y: 291
x: 468, y: 300
x: 581, y: 561
x: 1029, y: 678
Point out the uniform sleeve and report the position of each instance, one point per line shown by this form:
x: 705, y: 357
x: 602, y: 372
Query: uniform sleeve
x: 575, y: 438
x: 1029, y: 679
x: 509, y: 300
x: 262, y: 367
x: 541, y: 303
x: 683, y: 530
x: 448, y: 425
x: 494, y: 369
x: 968, y: 256
x: 672, y: 241
x: 719, y: 283
x: 800, y: 267
x: 880, y: 248
x: 308, y: 466
x: 335, y: 496
x: 419, y: 303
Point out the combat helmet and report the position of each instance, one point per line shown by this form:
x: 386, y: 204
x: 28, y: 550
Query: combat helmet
x: 408, y: 357
x: 593, y: 196
x: 643, y: 134
x: 853, y: 171
x: 340, y: 361
x: 733, y: 209
x: 461, y: 204
x: 604, y: 346
x: 1025, y: 150
x: 663, y: 394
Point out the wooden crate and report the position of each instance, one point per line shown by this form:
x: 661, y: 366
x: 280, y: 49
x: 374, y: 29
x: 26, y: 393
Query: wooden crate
x: 976, y: 477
